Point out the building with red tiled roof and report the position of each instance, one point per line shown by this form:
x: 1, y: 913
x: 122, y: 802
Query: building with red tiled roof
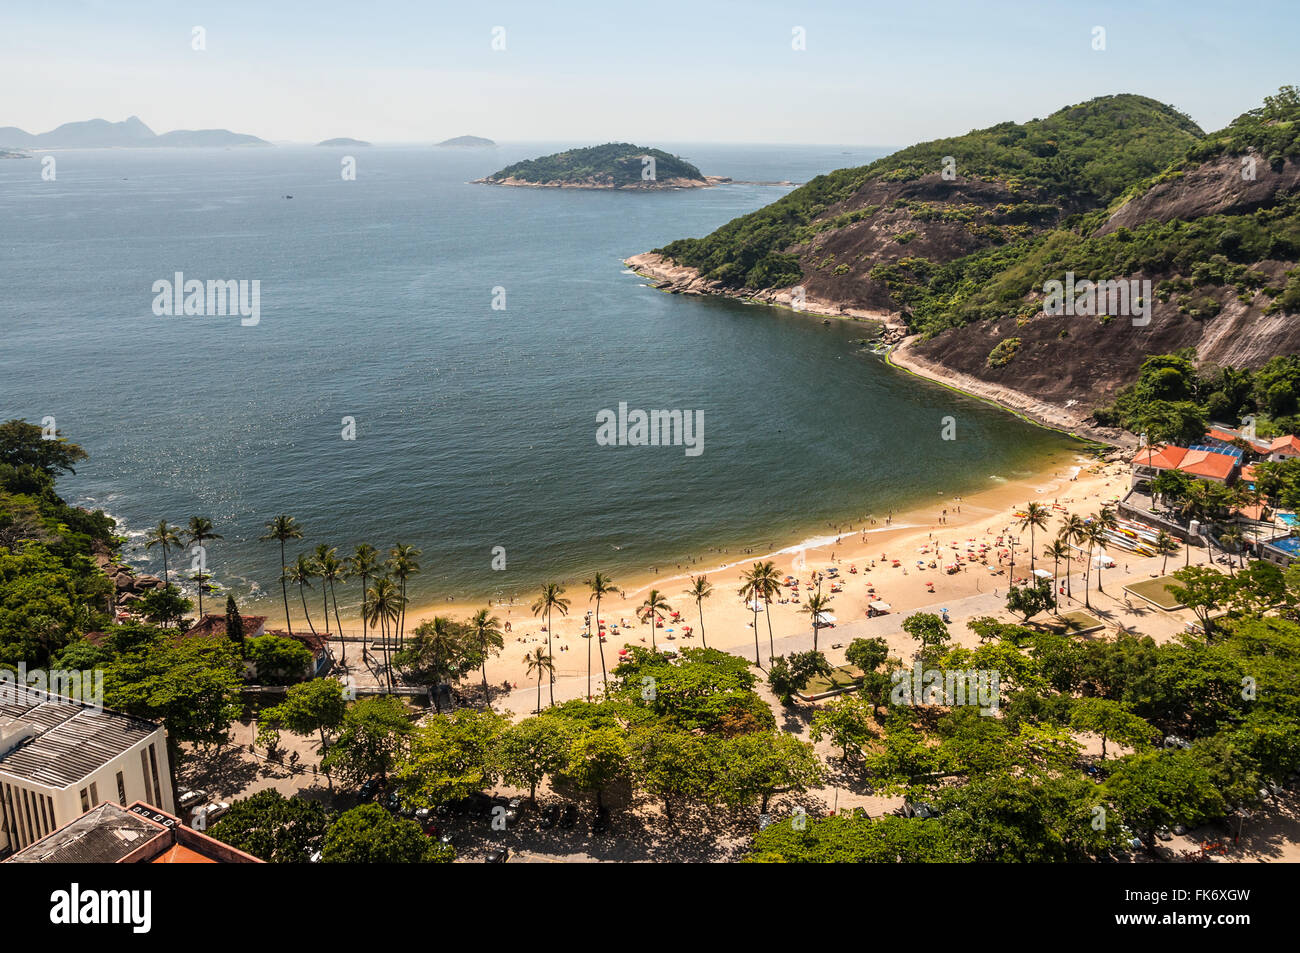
x: 214, y: 624
x: 1283, y: 448
x: 1199, y: 462
x: 139, y: 834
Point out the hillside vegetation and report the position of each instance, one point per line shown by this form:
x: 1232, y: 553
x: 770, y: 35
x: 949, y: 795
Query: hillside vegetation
x: 1116, y: 188
x: 613, y: 165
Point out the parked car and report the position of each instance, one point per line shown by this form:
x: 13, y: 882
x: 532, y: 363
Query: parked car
x: 393, y: 803
x: 601, y: 824
x: 188, y: 800
x: 919, y: 809
x: 370, y: 789
x: 569, y: 817
x: 550, y: 817
x: 514, y: 808
x: 209, y: 814
x: 497, y: 856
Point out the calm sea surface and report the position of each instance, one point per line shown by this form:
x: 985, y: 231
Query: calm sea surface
x: 475, y: 428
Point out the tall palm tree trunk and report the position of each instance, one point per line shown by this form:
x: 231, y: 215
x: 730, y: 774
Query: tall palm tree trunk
x: 551, y: 682
x: 284, y: 589
x: 303, y: 593
x: 343, y: 641
x: 771, y: 643
x: 699, y: 604
x: 600, y: 646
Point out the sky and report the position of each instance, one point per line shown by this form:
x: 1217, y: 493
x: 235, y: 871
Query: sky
x: 869, y: 73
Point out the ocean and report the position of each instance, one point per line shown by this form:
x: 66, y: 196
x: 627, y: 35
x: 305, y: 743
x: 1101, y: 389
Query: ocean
x: 475, y: 427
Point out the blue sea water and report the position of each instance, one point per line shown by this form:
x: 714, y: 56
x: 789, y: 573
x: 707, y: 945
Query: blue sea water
x: 475, y: 427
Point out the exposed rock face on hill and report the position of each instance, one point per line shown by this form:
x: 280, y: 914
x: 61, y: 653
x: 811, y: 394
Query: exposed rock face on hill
x: 1224, y: 186
x: 958, y: 240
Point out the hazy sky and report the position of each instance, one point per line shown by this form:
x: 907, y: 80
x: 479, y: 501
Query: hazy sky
x: 881, y: 73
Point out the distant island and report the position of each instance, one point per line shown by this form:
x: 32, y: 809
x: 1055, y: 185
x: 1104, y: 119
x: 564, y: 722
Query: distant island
x: 9, y: 154
x: 615, y: 165
x: 466, y: 142
x: 131, y: 133
x: 343, y: 141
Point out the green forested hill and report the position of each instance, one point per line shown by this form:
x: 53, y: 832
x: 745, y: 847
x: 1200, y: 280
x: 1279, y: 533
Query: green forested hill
x: 615, y: 164
x: 1076, y: 159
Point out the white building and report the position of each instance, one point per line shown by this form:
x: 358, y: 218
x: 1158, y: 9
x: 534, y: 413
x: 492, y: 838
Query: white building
x: 60, y: 758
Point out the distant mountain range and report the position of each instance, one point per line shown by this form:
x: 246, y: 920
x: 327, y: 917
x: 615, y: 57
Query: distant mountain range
x: 128, y: 134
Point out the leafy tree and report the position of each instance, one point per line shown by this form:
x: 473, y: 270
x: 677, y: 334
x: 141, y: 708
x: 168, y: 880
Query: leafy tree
x: 847, y: 722
x: 928, y: 630
x: 163, y: 606
x: 1162, y: 788
x: 451, y: 757
x: 594, y: 760
x: 1112, y: 720
x: 1203, y: 590
x: 789, y: 675
x: 24, y: 445
x: 867, y: 654
x: 374, y: 733
x: 274, y: 828
x: 279, y: 660
x: 853, y: 839
x: 1028, y: 601
x: 370, y: 835
x: 674, y: 766
x: 532, y: 750
x: 760, y: 765
x: 315, y: 707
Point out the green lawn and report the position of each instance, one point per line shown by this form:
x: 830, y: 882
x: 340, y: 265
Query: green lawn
x: 1156, y: 591
x: 1072, y: 623
x: 842, y: 678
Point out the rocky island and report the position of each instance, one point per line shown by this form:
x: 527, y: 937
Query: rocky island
x: 466, y: 142
x: 615, y: 165
x: 344, y: 141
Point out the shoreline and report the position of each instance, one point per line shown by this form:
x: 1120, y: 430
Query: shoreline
x: 682, y: 279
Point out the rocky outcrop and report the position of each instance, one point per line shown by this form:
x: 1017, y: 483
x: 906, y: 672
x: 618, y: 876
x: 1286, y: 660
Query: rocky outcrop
x: 1230, y: 185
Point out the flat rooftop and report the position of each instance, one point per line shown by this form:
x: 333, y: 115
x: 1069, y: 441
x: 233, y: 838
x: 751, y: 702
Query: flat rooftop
x: 67, y: 739
x: 140, y: 834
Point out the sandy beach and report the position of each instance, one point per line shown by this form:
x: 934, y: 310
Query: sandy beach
x: 922, y: 542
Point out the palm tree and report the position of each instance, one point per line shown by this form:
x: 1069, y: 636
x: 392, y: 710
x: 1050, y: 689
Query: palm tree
x: 166, y: 537
x: 364, y: 563
x: 331, y: 569
x: 200, y: 529
x: 651, y: 610
x: 540, y: 662
x: 700, y: 590
x: 402, y: 565
x: 1036, y: 516
x: 302, y: 571
x: 487, y: 629
x: 1070, y: 533
x: 768, y: 584
x: 383, y: 605
x: 600, y: 585
x: 1234, y: 540
x: 750, y: 587
x: 550, y: 599
x: 1057, y: 550
x: 283, y: 528
x: 1165, y: 546
x: 816, y: 605
x: 1093, y: 536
